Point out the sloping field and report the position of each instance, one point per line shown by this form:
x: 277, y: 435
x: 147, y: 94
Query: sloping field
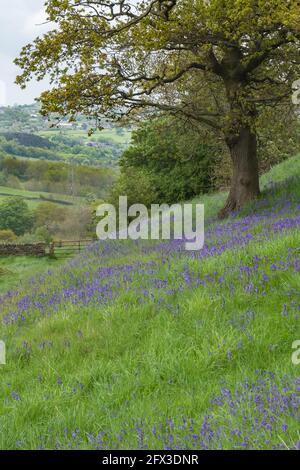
x: 140, y: 345
x: 35, y: 197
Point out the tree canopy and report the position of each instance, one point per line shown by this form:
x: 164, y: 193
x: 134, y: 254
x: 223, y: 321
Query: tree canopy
x: 15, y: 215
x: 168, y: 159
x: 218, y: 63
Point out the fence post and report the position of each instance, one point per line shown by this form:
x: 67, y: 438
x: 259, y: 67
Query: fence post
x: 52, y: 250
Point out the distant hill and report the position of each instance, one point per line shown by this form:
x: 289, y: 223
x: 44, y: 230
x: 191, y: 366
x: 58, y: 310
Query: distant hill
x: 28, y: 140
x: 25, y: 133
x: 27, y: 118
x: 21, y: 118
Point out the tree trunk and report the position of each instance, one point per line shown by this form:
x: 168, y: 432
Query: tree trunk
x: 245, y: 178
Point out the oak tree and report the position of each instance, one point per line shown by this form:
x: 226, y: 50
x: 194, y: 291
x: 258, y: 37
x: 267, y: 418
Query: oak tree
x: 219, y: 63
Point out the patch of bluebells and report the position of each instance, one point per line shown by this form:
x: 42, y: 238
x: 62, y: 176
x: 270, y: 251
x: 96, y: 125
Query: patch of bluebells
x: 85, y: 281
x: 263, y: 414
x: 146, y: 281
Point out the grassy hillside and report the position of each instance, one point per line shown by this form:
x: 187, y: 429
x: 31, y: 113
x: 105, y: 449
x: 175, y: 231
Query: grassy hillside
x: 33, y: 198
x: 101, y: 150
x: 106, y: 135
x: 13, y: 270
x: 140, y: 345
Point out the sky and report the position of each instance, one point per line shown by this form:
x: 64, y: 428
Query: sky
x: 20, y: 22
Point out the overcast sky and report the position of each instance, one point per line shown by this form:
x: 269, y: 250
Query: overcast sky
x: 20, y: 22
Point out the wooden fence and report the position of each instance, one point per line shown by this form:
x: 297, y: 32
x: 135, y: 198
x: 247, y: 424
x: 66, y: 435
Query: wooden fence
x: 68, y: 247
x: 61, y: 248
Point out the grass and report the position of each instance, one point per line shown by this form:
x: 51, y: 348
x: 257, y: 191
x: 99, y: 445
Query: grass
x: 278, y: 175
x: 106, y: 135
x: 14, y: 269
x: 33, y: 198
x: 133, y: 345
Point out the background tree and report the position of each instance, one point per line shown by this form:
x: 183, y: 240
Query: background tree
x: 218, y: 63
x: 171, y: 160
x: 15, y: 215
x: 49, y: 216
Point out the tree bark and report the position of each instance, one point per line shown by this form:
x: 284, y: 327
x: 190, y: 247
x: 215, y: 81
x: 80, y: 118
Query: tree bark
x: 245, y: 178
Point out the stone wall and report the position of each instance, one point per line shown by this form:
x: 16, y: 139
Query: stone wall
x: 28, y: 249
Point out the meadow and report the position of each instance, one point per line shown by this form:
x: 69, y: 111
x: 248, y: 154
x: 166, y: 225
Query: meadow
x: 14, y: 269
x: 144, y: 345
x: 105, y: 135
x: 34, y: 198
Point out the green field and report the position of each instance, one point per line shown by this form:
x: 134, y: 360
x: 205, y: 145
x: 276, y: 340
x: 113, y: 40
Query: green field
x: 14, y: 269
x: 141, y: 345
x: 106, y: 135
x: 33, y: 198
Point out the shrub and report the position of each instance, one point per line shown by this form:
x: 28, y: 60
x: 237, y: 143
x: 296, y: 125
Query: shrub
x: 15, y: 215
x: 7, y: 236
x: 166, y: 162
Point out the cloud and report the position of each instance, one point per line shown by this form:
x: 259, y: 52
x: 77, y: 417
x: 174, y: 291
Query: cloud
x: 36, y: 23
x: 2, y: 93
x: 20, y: 22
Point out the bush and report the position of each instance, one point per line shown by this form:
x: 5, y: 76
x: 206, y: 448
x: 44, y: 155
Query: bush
x: 15, y: 215
x: 166, y: 162
x: 136, y: 184
x: 42, y: 234
x: 50, y: 216
x: 7, y: 236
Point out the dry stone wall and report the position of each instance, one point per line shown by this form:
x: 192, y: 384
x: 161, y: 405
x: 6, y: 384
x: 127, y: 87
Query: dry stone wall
x: 28, y: 249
